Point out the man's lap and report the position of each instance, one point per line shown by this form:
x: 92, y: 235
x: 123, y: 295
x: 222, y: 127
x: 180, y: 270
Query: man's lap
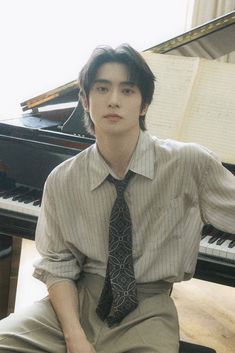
x: 34, y: 330
x: 152, y: 327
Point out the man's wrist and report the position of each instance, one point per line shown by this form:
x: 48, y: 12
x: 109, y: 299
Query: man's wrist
x: 72, y: 332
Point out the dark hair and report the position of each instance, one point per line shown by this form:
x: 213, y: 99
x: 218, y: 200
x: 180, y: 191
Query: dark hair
x: 138, y: 69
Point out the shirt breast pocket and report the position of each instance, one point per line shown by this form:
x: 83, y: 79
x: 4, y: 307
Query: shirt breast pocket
x: 164, y: 226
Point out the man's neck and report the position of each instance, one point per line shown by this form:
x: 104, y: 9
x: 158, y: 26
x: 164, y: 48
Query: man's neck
x: 117, y: 151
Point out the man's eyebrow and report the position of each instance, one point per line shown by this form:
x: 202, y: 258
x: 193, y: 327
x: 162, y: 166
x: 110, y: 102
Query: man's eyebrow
x: 122, y: 83
x: 128, y: 83
x: 100, y: 80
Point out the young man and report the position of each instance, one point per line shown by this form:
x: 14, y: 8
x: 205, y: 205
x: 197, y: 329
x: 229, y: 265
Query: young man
x: 119, y: 224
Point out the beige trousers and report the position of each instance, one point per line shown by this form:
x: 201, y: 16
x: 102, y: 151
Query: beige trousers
x: 151, y: 328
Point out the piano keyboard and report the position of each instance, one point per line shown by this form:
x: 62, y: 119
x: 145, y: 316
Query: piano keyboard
x: 21, y: 199
x: 217, y: 244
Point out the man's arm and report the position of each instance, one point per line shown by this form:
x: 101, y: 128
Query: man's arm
x: 65, y: 301
x: 217, y: 196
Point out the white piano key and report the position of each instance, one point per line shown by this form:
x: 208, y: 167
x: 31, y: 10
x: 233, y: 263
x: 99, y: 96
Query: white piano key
x: 215, y: 251
x: 15, y: 206
x: 209, y: 248
x: 231, y: 252
x: 224, y: 248
x: 204, y: 244
x: 222, y: 251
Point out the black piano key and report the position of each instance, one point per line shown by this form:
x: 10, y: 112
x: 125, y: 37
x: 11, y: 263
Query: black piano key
x: 9, y: 193
x: 17, y: 197
x: 206, y: 230
x: 231, y: 244
x: 213, y: 239
x: 26, y: 201
x: 21, y: 193
x: 14, y: 192
x: 32, y: 196
x: 214, y: 235
x: 223, y: 237
x: 29, y: 195
x: 3, y: 190
x: 37, y: 202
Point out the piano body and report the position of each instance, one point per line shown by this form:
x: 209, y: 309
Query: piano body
x: 26, y: 158
x: 27, y: 155
x: 51, y: 131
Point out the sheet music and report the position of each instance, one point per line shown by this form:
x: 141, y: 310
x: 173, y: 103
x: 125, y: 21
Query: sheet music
x: 194, y: 101
x: 175, y: 78
x: 210, y: 115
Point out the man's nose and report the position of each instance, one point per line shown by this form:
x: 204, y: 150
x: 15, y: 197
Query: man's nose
x: 114, y: 99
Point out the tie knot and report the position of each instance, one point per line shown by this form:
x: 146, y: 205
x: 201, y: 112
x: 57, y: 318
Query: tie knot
x: 121, y: 185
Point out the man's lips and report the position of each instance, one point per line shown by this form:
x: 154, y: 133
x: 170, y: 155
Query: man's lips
x: 113, y: 117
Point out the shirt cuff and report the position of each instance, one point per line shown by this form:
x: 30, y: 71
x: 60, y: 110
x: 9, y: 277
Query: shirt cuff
x: 48, y: 278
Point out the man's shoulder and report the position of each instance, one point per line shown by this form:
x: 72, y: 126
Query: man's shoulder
x: 190, y: 155
x: 71, y: 166
x: 180, y: 148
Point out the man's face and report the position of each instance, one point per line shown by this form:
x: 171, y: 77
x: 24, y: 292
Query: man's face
x: 114, y: 102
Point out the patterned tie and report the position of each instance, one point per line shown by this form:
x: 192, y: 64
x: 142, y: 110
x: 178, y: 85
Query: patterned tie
x: 119, y: 294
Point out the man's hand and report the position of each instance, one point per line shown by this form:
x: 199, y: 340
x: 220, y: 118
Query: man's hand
x: 79, y: 344
x: 65, y: 301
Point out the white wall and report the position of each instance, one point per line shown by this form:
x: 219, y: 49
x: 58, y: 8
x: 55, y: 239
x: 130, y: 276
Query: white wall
x: 44, y: 43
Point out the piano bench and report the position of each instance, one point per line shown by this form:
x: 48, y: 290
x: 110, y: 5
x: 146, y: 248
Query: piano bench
x: 186, y: 347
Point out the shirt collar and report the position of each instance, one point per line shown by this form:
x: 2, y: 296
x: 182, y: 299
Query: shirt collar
x: 98, y: 168
x: 142, y: 161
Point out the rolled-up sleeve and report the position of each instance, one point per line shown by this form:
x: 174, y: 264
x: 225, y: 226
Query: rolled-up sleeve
x: 59, y: 260
x: 218, y: 196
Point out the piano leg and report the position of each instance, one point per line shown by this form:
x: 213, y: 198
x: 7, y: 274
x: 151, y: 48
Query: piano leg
x: 9, y: 268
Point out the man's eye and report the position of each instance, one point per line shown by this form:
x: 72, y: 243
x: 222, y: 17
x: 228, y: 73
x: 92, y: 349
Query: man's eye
x: 102, y: 89
x: 128, y: 91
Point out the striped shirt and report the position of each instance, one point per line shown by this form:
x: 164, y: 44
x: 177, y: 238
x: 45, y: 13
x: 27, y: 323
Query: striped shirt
x: 177, y: 187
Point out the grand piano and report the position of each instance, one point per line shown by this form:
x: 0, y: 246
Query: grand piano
x: 50, y: 131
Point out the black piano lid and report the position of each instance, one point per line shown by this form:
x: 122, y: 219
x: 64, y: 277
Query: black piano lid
x: 62, y: 94
x: 210, y: 40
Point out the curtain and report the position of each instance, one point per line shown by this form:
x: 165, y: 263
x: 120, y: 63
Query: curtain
x: 204, y: 11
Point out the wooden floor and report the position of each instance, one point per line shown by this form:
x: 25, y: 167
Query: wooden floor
x: 206, y: 310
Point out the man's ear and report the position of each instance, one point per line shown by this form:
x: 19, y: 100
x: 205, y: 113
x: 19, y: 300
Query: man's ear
x: 144, y: 110
x: 84, y: 102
